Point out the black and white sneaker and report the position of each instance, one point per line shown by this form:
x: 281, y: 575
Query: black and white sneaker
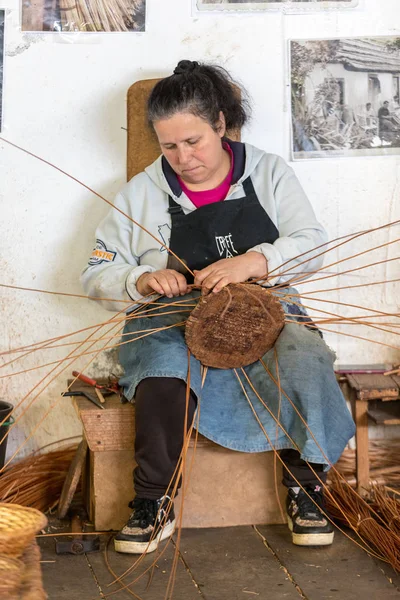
x: 308, y: 525
x: 148, y: 521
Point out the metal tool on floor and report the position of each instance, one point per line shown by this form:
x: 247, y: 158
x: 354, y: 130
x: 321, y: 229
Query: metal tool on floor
x: 78, y: 545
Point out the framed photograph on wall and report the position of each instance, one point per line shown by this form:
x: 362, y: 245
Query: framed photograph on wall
x: 106, y: 16
x: 285, y: 5
x: 345, y: 97
x: 1, y: 65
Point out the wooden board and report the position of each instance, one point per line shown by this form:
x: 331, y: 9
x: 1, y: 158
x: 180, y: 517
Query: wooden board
x: 111, y: 488
x: 385, y: 413
x: 373, y: 386
x: 229, y: 564
x: 234, y: 564
x: 242, y: 488
x: 341, y: 571
x: 72, y: 479
x: 66, y: 577
x: 110, y: 429
x: 362, y: 458
x: 185, y: 587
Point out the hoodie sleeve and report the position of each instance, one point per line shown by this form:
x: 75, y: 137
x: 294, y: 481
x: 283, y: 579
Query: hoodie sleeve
x: 113, y: 270
x: 299, y: 230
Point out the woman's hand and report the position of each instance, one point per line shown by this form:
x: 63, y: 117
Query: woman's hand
x: 231, y: 270
x: 166, y: 282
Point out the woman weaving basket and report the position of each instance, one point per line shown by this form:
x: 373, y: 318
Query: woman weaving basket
x: 232, y: 213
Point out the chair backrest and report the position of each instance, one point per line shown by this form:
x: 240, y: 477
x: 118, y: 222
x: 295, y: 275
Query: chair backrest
x: 143, y: 148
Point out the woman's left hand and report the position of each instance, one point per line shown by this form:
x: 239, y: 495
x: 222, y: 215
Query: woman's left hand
x: 231, y: 270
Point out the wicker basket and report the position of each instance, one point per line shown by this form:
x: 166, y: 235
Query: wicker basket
x: 235, y: 327
x: 31, y: 583
x: 11, y: 570
x: 18, y: 527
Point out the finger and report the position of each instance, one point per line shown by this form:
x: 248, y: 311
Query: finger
x: 210, y: 282
x: 221, y: 284
x: 201, y: 275
x: 154, y: 285
x: 182, y: 284
x: 173, y: 283
x: 163, y: 281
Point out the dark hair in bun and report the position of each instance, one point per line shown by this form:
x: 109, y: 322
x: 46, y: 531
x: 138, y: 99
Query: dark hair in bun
x: 202, y: 90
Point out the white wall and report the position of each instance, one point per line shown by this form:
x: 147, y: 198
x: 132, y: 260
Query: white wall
x: 64, y: 99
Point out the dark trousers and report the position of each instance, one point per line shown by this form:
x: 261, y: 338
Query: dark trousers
x: 160, y: 404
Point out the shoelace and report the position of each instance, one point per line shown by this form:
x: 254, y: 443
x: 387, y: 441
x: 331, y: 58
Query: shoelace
x: 144, y: 512
x: 306, y: 505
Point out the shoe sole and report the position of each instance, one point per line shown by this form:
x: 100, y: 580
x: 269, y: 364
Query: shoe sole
x: 310, y: 539
x: 144, y: 547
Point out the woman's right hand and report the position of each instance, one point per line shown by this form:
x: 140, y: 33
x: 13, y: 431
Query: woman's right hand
x: 166, y: 282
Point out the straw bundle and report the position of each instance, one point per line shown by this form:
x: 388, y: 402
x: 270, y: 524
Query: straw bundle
x: 99, y: 15
x: 235, y: 327
x: 384, y: 460
x: 37, y: 481
x: 378, y: 526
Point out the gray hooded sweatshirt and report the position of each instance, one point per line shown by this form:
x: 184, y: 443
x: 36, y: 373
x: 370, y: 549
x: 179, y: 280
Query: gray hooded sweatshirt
x: 124, y: 251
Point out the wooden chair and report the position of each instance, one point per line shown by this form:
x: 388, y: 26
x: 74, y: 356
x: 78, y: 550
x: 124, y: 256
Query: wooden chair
x: 376, y: 397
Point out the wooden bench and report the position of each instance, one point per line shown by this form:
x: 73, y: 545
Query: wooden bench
x: 374, y: 396
x: 226, y: 488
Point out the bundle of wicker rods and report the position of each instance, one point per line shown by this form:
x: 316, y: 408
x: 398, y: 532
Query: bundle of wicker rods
x: 384, y: 462
x: 377, y: 523
x: 99, y: 15
x: 37, y: 480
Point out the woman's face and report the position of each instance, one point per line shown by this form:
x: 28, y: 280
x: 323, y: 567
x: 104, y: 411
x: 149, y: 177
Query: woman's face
x: 191, y: 146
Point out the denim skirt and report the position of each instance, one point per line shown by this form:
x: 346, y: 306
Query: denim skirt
x: 300, y: 359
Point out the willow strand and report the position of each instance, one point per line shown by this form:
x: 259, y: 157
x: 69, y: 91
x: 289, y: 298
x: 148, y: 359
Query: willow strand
x: 283, y: 464
x: 102, y: 198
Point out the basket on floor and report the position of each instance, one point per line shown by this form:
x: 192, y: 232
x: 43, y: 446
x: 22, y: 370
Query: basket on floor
x: 31, y: 582
x: 11, y: 570
x: 18, y: 527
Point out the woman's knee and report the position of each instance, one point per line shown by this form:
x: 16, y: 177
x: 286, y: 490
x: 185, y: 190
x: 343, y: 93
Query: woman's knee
x: 163, y: 390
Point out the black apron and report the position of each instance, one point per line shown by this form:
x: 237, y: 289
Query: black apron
x: 219, y: 230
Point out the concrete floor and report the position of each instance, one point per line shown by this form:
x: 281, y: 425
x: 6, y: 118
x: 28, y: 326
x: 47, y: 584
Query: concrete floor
x: 234, y: 563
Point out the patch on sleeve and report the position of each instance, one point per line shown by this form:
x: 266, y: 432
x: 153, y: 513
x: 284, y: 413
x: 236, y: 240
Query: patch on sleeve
x: 100, y: 254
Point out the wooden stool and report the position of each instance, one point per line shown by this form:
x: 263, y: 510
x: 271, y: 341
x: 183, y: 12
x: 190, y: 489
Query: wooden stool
x: 380, y: 391
x: 226, y: 487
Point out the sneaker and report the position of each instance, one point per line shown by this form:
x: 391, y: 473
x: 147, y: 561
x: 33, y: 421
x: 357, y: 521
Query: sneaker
x: 147, y: 522
x: 308, y: 525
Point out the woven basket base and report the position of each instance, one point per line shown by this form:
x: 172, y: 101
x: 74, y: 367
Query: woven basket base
x: 235, y: 327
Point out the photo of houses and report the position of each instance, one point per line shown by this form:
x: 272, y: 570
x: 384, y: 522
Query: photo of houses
x: 345, y: 97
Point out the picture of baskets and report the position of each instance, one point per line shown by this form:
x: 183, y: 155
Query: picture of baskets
x: 84, y: 15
